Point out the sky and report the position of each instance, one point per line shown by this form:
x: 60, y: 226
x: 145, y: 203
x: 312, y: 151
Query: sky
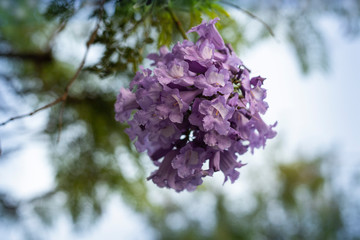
x: 315, y: 113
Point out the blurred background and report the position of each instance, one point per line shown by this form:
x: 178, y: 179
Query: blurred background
x: 70, y: 172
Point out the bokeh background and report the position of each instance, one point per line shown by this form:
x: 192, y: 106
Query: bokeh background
x: 70, y: 172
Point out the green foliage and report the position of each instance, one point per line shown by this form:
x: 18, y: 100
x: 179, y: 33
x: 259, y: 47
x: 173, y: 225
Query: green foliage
x: 62, y: 9
x: 128, y: 35
x: 21, y: 29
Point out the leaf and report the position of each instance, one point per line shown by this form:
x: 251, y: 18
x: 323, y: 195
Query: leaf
x: 62, y: 9
x: 149, y: 40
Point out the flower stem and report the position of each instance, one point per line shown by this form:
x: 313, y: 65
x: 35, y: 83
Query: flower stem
x: 177, y: 22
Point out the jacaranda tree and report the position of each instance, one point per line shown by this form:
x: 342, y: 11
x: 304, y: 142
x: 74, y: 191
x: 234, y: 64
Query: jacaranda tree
x: 180, y: 91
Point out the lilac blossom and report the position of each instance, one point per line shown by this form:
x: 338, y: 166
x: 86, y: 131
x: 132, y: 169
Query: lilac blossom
x: 198, y: 107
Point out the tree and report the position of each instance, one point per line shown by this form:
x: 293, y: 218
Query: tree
x: 79, y: 96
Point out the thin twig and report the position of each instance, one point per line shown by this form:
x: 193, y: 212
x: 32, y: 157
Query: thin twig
x: 177, y: 22
x: 63, y: 97
x: 250, y: 14
x: 57, y: 31
x: 88, y: 43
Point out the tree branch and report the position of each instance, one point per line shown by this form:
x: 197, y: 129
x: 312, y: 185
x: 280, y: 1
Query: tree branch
x: 250, y: 14
x: 63, y: 97
x: 177, y: 22
x: 36, y: 57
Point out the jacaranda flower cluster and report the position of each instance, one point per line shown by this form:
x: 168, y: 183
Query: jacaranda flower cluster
x: 197, y: 107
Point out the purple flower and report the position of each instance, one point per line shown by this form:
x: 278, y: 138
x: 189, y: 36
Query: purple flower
x: 240, y: 123
x: 228, y: 164
x: 150, y: 96
x: 172, y: 106
x: 197, y: 107
x: 225, y: 161
x: 176, y: 72
x: 199, y: 56
x: 137, y: 131
x: 175, y: 103
x: 263, y: 132
x: 256, y: 96
x: 208, y: 31
x: 206, y: 50
x: 143, y: 79
x: 163, y: 57
x: 236, y: 101
x: 125, y: 103
x: 232, y: 62
x: 189, y: 161
x: 196, y: 118
x: 167, y: 176
x: 217, y: 113
x: 214, y: 81
x: 217, y: 141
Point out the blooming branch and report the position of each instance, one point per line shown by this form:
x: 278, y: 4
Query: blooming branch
x: 198, y: 105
